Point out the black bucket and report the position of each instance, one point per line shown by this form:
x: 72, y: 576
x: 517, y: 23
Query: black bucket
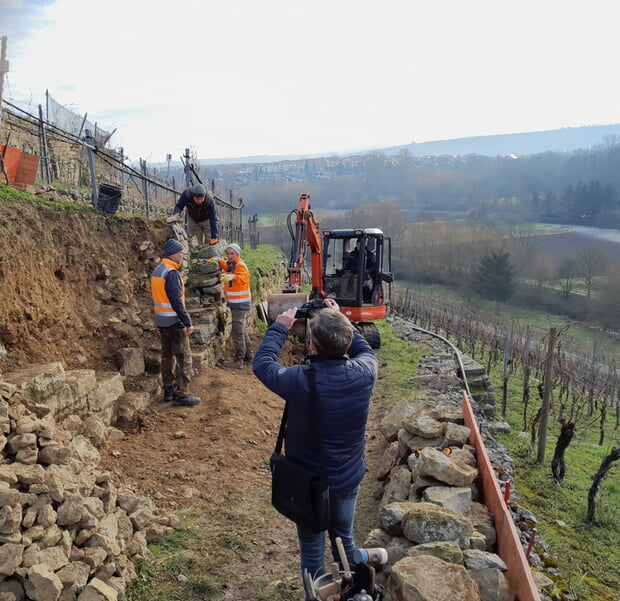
x: 108, y: 198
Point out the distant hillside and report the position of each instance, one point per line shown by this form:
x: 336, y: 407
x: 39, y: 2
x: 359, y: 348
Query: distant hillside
x: 555, y: 140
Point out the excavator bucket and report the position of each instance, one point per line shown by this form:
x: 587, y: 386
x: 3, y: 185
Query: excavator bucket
x: 278, y: 303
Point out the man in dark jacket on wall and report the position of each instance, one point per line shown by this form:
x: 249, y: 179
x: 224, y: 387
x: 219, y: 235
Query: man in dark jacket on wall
x: 174, y: 324
x: 201, y: 213
x: 346, y: 371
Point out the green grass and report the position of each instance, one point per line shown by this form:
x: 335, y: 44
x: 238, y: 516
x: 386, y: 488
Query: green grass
x: 264, y: 259
x: 399, y: 361
x: 178, y: 573
x: 9, y: 193
x: 588, y: 555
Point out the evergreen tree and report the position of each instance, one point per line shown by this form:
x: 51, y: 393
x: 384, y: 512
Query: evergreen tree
x: 495, y: 278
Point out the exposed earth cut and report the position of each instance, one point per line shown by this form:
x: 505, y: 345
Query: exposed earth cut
x: 75, y: 290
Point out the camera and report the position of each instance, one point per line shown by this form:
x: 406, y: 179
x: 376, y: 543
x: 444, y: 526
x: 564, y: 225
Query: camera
x: 310, y: 308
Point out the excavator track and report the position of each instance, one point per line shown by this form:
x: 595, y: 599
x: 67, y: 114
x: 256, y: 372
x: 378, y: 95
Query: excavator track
x: 370, y: 332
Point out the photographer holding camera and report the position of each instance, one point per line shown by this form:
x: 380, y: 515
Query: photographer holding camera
x: 345, y: 372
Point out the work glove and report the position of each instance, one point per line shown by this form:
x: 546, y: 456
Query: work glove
x: 173, y: 219
x: 214, y: 260
x: 227, y: 277
x: 213, y: 241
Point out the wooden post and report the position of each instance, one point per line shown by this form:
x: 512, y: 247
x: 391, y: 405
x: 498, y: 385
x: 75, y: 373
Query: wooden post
x: 507, y: 339
x: 546, y: 400
x: 4, y: 68
x: 592, y: 381
x: 526, y: 376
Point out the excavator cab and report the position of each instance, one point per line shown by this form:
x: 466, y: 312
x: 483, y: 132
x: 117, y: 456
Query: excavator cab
x: 357, y: 267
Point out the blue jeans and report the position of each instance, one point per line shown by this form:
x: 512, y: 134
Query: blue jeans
x: 312, y: 546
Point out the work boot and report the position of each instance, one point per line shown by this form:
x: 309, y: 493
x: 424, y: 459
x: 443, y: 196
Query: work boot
x: 249, y: 357
x: 185, y: 400
x: 233, y: 364
x: 168, y: 394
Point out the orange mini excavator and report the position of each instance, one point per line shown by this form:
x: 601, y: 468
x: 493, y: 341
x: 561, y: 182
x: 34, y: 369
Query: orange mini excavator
x: 352, y: 266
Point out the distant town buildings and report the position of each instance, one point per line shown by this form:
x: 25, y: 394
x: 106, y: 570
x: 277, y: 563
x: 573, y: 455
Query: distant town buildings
x: 324, y: 168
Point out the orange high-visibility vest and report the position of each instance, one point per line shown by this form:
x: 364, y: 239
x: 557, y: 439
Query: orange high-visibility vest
x: 237, y: 291
x: 165, y: 315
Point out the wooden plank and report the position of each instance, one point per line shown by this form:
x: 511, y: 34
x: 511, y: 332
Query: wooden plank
x: 508, y: 542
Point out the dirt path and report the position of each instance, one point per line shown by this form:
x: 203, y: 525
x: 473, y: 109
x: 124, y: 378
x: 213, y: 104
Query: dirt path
x: 212, y: 460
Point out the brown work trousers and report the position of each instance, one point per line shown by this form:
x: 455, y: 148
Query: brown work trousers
x: 201, y: 230
x: 241, y: 339
x: 176, y: 359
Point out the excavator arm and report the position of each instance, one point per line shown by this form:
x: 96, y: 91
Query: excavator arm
x: 306, y: 235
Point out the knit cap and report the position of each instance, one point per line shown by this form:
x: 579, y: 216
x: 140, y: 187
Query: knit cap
x: 199, y: 190
x: 172, y: 247
x: 235, y: 247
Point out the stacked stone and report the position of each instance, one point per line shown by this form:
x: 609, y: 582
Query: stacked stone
x: 438, y: 536
x: 440, y: 539
x: 67, y: 530
x: 207, y: 306
x: 204, y: 280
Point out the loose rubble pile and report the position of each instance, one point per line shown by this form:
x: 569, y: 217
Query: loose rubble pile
x: 67, y: 531
x: 440, y: 539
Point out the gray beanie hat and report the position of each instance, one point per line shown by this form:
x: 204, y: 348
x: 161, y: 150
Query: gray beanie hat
x: 172, y: 246
x: 199, y: 190
x: 235, y: 247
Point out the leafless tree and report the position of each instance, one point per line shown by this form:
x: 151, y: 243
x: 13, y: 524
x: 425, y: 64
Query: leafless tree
x: 598, y: 478
x: 591, y: 262
x: 558, y: 463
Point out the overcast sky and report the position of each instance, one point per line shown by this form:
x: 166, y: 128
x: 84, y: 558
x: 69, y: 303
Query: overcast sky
x: 231, y: 78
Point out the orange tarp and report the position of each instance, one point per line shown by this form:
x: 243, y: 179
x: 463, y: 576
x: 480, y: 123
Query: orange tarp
x: 21, y: 167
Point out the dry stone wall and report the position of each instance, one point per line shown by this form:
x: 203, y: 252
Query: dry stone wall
x: 439, y: 537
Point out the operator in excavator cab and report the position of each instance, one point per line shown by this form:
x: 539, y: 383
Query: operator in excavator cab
x: 353, y: 258
x: 369, y: 268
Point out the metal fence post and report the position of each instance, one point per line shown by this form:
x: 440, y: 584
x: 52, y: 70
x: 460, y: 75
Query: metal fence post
x: 91, y: 164
x: 4, y: 68
x: 43, y: 148
x: 145, y: 189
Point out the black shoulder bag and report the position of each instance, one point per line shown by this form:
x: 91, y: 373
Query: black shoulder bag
x: 296, y: 492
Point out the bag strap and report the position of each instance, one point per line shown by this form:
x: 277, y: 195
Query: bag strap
x: 311, y: 375
x: 280, y: 440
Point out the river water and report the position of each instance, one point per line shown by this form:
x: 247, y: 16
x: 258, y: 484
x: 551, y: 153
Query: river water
x: 608, y: 235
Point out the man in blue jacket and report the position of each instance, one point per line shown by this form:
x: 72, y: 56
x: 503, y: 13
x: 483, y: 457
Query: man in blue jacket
x: 346, y: 371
